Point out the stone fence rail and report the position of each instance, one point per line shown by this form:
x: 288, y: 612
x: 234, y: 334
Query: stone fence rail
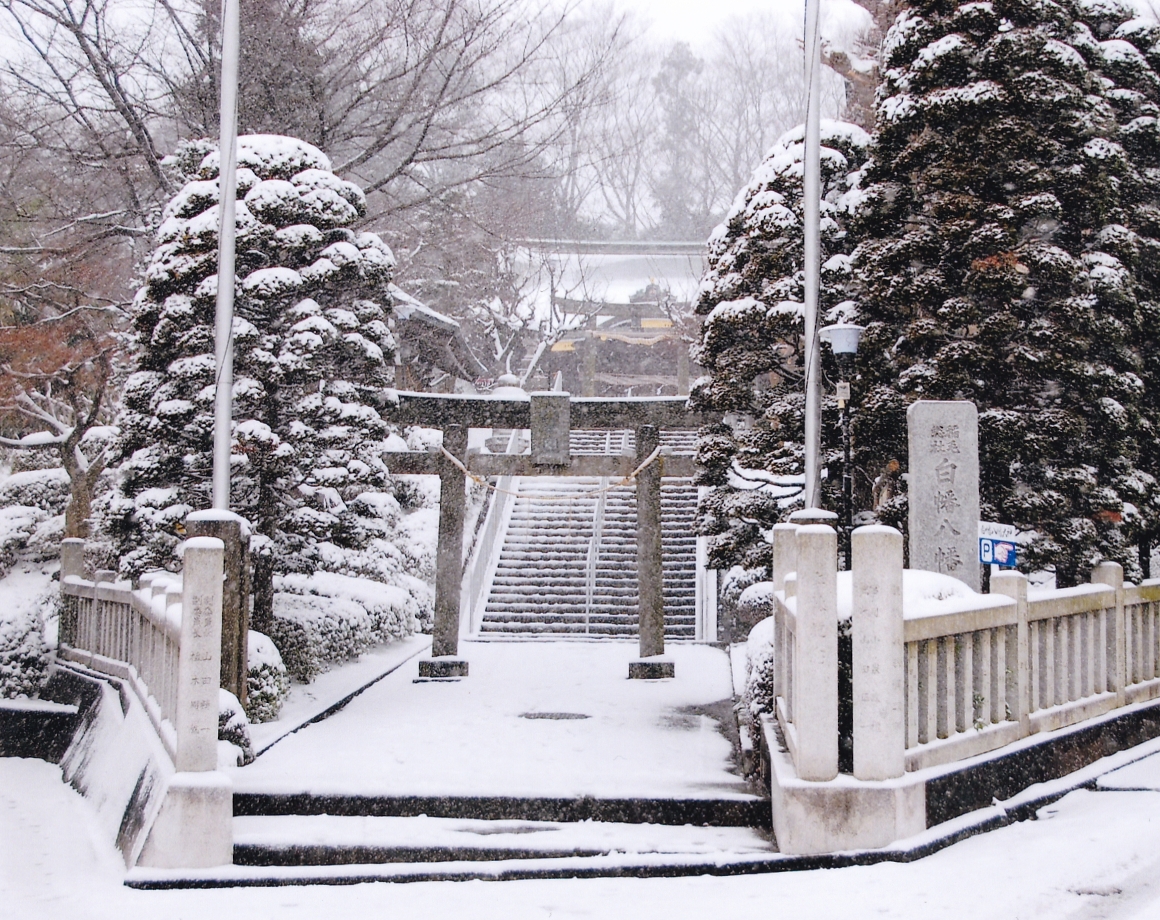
x: 945, y: 684
x: 136, y: 635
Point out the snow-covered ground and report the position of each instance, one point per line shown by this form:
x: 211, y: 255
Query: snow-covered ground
x: 533, y: 719
x: 1091, y: 855
x: 307, y: 701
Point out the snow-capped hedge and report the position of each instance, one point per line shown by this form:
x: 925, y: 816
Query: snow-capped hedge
x: 324, y: 618
x: 29, y: 533
x: 234, y: 728
x: 267, y: 683
x: 47, y: 490
x: 759, y: 663
x: 24, y: 655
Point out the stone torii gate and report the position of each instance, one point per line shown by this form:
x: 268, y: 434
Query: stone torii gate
x: 550, y: 417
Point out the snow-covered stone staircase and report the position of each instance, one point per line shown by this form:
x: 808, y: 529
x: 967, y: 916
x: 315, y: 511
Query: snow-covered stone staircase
x: 320, y: 839
x: 568, y: 566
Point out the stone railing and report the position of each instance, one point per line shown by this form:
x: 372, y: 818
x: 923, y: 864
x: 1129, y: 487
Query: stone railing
x: 937, y: 680
x: 962, y: 677
x: 162, y: 639
x: 484, y: 556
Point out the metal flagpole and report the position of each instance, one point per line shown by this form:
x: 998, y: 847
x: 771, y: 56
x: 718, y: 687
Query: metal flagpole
x: 810, y: 206
x: 228, y: 180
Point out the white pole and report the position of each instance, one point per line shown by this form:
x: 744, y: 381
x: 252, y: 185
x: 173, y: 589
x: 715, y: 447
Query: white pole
x: 810, y: 206
x: 228, y: 181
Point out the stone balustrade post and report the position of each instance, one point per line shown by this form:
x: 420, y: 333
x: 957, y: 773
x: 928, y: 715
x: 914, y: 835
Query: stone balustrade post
x: 1014, y: 585
x: 194, y: 828
x: 815, y: 695
x: 1112, y: 574
x: 784, y: 553
x: 72, y: 563
x: 234, y: 532
x: 199, y: 665
x: 784, y: 563
x: 72, y: 557
x: 879, y: 653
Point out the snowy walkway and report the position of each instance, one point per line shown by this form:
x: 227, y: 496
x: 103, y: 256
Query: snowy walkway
x: 1092, y: 854
x: 533, y: 719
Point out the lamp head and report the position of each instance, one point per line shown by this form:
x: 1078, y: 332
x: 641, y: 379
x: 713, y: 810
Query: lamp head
x: 843, y: 337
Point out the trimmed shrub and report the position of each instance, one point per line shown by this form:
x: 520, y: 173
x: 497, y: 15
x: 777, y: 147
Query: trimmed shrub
x: 267, y: 683
x: 323, y: 618
x: 24, y: 655
x: 233, y: 727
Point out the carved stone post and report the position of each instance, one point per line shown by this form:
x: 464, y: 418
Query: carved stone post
x: 1112, y: 575
x: 72, y: 563
x: 194, y: 827
x: 234, y: 532
x: 199, y: 663
x: 879, y: 653
x: 1014, y: 585
x: 815, y: 694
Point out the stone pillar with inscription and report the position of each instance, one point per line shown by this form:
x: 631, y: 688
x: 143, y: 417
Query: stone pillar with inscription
x: 944, y: 488
x: 194, y: 827
x: 234, y: 531
x: 879, y: 654
x: 199, y: 664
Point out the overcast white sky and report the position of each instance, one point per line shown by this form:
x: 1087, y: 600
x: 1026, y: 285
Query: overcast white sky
x: 694, y: 20
x: 690, y: 20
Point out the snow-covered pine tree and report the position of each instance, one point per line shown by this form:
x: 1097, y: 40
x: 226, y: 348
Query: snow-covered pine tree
x: 990, y: 269
x: 751, y: 342
x: 312, y: 352
x: 1125, y: 50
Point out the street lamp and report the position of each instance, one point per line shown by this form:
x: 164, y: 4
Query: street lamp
x: 843, y: 339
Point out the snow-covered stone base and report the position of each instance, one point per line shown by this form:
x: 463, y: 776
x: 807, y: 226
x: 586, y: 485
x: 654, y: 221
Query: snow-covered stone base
x: 842, y: 814
x: 153, y: 814
x: 194, y: 829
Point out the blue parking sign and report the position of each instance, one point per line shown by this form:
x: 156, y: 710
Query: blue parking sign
x: 997, y: 552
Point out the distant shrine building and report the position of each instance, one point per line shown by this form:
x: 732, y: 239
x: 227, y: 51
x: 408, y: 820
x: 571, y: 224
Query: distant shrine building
x: 610, y: 319
x: 620, y: 315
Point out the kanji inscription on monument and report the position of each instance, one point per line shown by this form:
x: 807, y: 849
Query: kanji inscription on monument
x: 944, y: 488
x: 199, y: 663
x: 551, y: 428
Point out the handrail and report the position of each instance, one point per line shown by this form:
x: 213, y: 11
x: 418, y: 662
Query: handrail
x: 131, y: 634
x: 485, y: 554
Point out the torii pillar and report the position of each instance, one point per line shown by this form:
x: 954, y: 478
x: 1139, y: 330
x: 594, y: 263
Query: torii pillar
x: 444, y: 662
x: 649, y: 562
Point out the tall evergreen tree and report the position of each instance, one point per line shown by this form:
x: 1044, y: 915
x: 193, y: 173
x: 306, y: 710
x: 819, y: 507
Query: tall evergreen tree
x: 312, y: 353
x: 1125, y: 51
x: 751, y: 342
x: 992, y: 268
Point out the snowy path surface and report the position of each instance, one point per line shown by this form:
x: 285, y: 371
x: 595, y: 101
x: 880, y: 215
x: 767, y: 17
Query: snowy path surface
x: 307, y: 701
x: 1091, y: 855
x: 533, y: 719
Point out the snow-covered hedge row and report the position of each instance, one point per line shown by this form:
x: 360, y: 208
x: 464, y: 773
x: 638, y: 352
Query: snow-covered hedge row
x: 759, y: 687
x: 47, y: 490
x: 267, y: 683
x: 24, y: 655
x: 324, y: 618
x: 234, y: 729
x: 28, y: 533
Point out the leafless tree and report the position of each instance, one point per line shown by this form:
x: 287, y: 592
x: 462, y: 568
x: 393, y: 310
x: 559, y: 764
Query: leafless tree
x: 55, y: 394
